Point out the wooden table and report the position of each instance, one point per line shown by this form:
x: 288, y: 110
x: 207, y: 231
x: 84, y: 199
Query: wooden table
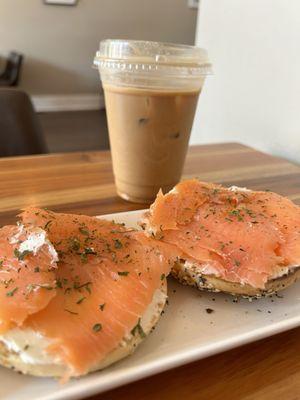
x: 83, y: 183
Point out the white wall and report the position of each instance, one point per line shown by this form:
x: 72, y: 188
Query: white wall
x: 254, y: 95
x: 59, y: 42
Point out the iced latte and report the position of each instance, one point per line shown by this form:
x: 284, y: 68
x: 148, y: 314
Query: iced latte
x: 150, y: 106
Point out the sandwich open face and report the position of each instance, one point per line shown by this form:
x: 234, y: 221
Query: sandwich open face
x: 232, y: 240
x: 76, y: 293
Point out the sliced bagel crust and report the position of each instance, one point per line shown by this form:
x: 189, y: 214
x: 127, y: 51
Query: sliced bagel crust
x: 189, y: 274
x: 12, y: 359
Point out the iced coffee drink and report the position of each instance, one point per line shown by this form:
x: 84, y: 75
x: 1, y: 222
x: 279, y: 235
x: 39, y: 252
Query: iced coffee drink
x: 149, y: 134
x: 150, y: 110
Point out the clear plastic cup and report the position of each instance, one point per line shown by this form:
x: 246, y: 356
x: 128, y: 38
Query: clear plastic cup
x: 151, y: 91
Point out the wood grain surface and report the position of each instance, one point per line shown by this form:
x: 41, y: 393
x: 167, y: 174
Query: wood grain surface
x: 83, y: 183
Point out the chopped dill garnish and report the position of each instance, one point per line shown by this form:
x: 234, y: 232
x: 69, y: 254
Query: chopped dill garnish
x: 59, y: 283
x: 97, y: 327
x: 21, y: 254
x: 84, y: 231
x: 123, y: 273
x: 80, y: 300
x: 70, y: 312
x: 138, y: 329
x: 89, y: 250
x: 83, y: 257
x: 47, y: 226
x: 12, y: 292
x: 118, y: 244
x: 74, y: 244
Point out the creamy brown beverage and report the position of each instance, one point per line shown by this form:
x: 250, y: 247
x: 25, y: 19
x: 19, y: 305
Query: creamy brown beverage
x: 149, y: 134
x: 151, y: 91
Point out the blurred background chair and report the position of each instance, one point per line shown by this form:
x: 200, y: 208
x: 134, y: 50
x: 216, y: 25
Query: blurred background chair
x: 20, y: 129
x: 11, y: 74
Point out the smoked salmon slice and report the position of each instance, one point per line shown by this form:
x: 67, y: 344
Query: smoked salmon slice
x: 242, y: 236
x: 88, y: 291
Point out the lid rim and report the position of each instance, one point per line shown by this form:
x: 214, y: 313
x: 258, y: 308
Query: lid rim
x: 147, y: 52
x: 101, y: 60
x: 179, y: 45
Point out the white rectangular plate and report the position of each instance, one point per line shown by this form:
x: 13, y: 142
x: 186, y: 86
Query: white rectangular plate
x: 186, y: 332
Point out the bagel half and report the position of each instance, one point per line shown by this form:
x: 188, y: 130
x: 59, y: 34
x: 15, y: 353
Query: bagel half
x: 232, y: 240
x: 24, y: 350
